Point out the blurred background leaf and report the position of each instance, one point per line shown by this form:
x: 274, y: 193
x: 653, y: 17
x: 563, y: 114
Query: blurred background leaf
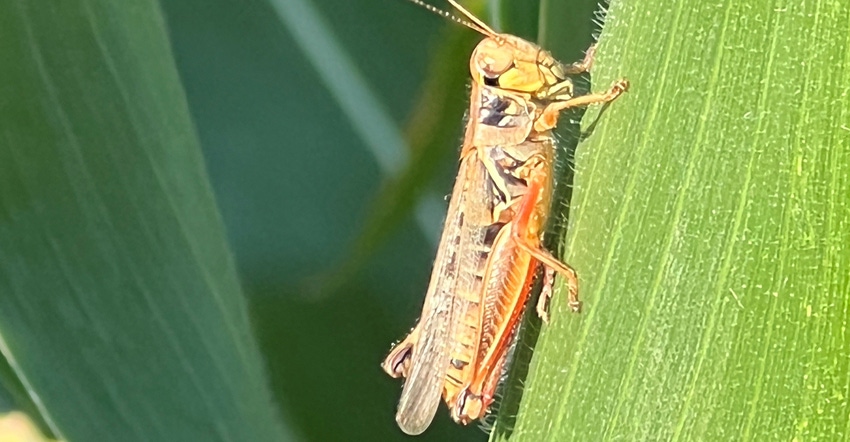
x: 710, y: 230
x: 121, y: 316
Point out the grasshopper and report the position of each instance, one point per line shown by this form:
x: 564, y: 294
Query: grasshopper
x: 490, y: 250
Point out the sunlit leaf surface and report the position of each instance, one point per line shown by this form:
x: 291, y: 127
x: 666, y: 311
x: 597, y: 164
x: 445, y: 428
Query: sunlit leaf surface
x: 709, y: 226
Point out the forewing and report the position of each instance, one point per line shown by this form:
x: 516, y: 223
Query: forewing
x: 443, y: 307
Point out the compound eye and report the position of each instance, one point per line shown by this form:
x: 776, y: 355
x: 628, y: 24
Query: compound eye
x: 492, y: 69
x: 493, y: 65
x: 493, y: 59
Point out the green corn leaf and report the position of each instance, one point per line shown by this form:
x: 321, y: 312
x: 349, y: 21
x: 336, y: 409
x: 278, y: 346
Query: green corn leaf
x: 120, y: 311
x: 710, y: 227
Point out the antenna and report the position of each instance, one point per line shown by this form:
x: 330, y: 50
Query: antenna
x: 472, y: 21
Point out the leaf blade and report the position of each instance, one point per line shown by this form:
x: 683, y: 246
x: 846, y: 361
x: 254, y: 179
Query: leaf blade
x: 120, y: 297
x: 699, y: 201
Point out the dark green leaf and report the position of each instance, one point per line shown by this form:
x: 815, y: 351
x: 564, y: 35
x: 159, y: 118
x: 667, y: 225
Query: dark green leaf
x: 120, y: 310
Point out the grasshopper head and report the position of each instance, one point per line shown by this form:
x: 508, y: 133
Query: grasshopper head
x: 511, y: 63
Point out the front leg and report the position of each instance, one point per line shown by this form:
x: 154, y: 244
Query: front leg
x: 549, y: 117
x: 582, y: 66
